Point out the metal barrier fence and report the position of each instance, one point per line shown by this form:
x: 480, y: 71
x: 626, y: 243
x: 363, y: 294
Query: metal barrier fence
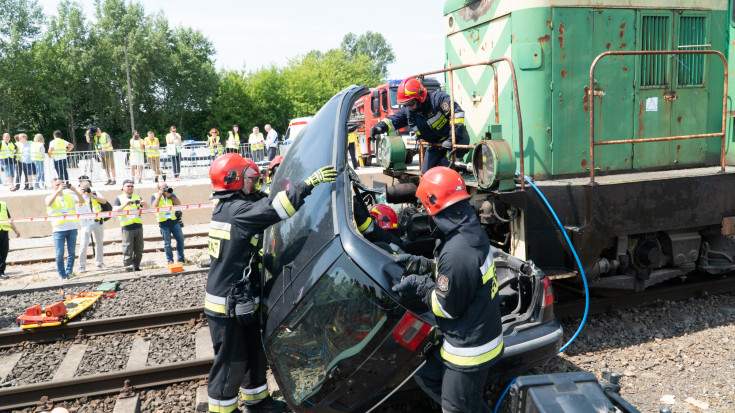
x: 191, y: 162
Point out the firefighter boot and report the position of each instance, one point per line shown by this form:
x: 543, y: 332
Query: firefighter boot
x: 268, y: 405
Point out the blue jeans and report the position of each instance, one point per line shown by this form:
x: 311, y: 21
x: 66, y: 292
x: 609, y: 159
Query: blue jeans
x: 9, y: 166
x: 41, y: 176
x: 178, y: 234
x: 70, y: 238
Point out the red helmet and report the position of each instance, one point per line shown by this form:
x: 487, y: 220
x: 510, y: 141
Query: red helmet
x: 439, y: 188
x: 227, y: 172
x: 385, y: 215
x: 409, y: 89
x: 276, y: 161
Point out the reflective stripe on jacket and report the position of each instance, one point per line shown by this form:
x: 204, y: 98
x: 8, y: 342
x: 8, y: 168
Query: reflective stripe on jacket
x: 233, y: 140
x: 63, y: 205
x: 151, y: 152
x: 136, y: 147
x: 214, y: 150
x: 7, y: 150
x: 37, y: 153
x: 431, y: 119
x: 164, y: 216
x: 59, y: 146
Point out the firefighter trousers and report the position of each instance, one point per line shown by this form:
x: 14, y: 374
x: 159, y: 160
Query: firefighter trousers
x: 458, y: 391
x: 239, y: 363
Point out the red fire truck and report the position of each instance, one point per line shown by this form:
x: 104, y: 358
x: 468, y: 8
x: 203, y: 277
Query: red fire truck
x: 378, y: 104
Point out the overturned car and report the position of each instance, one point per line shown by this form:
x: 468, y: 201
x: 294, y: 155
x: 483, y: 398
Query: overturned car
x: 337, y: 338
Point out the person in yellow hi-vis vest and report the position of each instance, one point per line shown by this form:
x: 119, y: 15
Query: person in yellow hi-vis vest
x: 7, y: 155
x: 131, y: 225
x: 153, y: 152
x: 173, y: 150
x: 168, y: 222
x: 136, y: 157
x: 233, y: 140
x: 257, y: 143
x: 214, y: 144
x: 63, y: 201
x: 103, y: 148
x: 57, y: 150
x: 5, y: 238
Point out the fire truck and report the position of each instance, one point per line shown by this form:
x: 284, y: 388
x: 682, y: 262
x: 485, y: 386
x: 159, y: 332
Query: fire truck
x: 380, y: 103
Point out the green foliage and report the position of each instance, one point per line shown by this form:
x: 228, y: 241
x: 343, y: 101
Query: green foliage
x: 372, y: 45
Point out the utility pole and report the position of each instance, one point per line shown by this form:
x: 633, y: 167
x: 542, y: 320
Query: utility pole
x: 130, y: 99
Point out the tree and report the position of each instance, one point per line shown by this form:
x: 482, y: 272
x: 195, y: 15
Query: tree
x: 372, y: 45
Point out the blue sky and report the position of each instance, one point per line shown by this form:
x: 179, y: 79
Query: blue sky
x: 249, y: 34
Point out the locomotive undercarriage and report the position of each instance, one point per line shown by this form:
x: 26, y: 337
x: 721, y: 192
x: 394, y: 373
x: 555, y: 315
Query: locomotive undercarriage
x: 629, y: 234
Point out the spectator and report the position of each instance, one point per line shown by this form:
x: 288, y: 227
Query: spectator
x: 214, y: 144
x: 18, y: 163
x: 38, y: 157
x: 5, y: 237
x: 29, y: 170
x: 89, y: 227
x: 7, y: 155
x: 168, y: 222
x: 132, y: 226
x: 271, y: 142
x: 103, y: 147
x: 57, y: 150
x: 256, y: 142
x: 136, y: 157
x: 173, y: 150
x: 65, y: 230
x: 153, y: 152
x: 233, y: 140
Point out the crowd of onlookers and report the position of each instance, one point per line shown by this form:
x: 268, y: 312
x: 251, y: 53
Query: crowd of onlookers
x: 24, y: 161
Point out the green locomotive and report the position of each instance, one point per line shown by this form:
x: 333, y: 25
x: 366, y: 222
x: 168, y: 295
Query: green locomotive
x: 644, y: 193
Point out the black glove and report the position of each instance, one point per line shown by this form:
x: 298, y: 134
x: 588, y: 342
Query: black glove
x: 321, y: 175
x: 379, y: 128
x: 361, y: 211
x: 422, y: 283
x: 447, y: 144
x: 415, y: 264
x: 240, y: 303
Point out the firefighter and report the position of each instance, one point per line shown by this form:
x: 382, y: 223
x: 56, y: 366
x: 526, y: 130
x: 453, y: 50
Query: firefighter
x: 378, y: 225
x: 429, y: 112
x: 239, y: 216
x: 463, y: 296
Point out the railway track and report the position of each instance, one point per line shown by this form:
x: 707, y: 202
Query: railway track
x: 136, y: 375
x: 575, y: 308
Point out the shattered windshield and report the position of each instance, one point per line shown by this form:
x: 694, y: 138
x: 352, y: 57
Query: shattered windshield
x: 339, y: 318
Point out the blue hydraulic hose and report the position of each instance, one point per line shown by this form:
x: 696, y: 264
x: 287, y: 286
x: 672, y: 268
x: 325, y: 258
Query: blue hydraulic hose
x: 584, y: 280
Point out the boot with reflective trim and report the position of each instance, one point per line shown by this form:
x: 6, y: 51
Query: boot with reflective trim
x: 268, y: 405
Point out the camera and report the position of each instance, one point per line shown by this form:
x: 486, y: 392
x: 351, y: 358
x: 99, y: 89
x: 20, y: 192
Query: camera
x: 87, y: 190
x: 178, y: 216
x: 68, y: 186
x: 169, y: 190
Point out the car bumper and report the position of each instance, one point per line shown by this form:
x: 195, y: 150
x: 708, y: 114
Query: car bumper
x: 526, y: 349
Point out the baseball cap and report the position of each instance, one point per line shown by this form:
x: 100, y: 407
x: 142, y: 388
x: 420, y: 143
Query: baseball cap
x: 127, y: 181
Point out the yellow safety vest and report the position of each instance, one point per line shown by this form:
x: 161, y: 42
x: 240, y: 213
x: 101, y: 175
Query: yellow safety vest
x: 102, y: 142
x: 152, y: 152
x: 18, y: 153
x: 164, y: 216
x: 63, y: 205
x: 7, y: 150
x: 37, y: 151
x: 352, y: 137
x: 59, y: 146
x: 214, y: 149
x: 233, y: 140
x: 136, y: 147
x: 129, y: 219
x: 4, y: 215
x: 257, y: 146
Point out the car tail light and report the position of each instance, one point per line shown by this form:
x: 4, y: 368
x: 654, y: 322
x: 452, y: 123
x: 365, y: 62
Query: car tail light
x: 548, y: 292
x: 411, y: 331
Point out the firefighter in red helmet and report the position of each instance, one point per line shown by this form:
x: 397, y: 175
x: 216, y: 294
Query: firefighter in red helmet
x: 241, y: 213
x: 462, y: 293
x: 430, y: 113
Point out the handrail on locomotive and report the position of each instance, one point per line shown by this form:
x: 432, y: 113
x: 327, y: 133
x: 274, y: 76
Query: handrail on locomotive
x: 666, y: 138
x: 490, y: 63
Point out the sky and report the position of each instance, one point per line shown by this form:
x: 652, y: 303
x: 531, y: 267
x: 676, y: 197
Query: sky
x: 249, y: 35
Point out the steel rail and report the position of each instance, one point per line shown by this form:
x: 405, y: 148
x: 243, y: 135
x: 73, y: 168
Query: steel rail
x: 575, y: 309
x: 591, y: 93
x: 72, y: 329
x: 154, y: 238
x: 105, y: 383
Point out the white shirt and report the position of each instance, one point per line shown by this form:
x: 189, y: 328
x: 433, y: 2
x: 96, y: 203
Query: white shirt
x: 272, y: 139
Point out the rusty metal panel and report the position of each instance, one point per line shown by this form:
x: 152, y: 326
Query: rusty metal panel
x: 728, y: 226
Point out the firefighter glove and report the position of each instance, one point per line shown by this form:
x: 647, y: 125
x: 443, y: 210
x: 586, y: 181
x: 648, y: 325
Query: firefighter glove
x: 447, y: 144
x: 321, y: 175
x: 240, y: 303
x: 415, y: 264
x: 422, y: 283
x: 361, y: 212
x: 379, y: 128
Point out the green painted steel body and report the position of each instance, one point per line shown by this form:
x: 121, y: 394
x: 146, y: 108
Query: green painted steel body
x: 553, y: 44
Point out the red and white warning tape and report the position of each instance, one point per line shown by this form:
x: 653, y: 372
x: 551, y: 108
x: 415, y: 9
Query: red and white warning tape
x: 95, y: 215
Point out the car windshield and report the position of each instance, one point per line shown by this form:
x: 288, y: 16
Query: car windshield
x: 339, y: 318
